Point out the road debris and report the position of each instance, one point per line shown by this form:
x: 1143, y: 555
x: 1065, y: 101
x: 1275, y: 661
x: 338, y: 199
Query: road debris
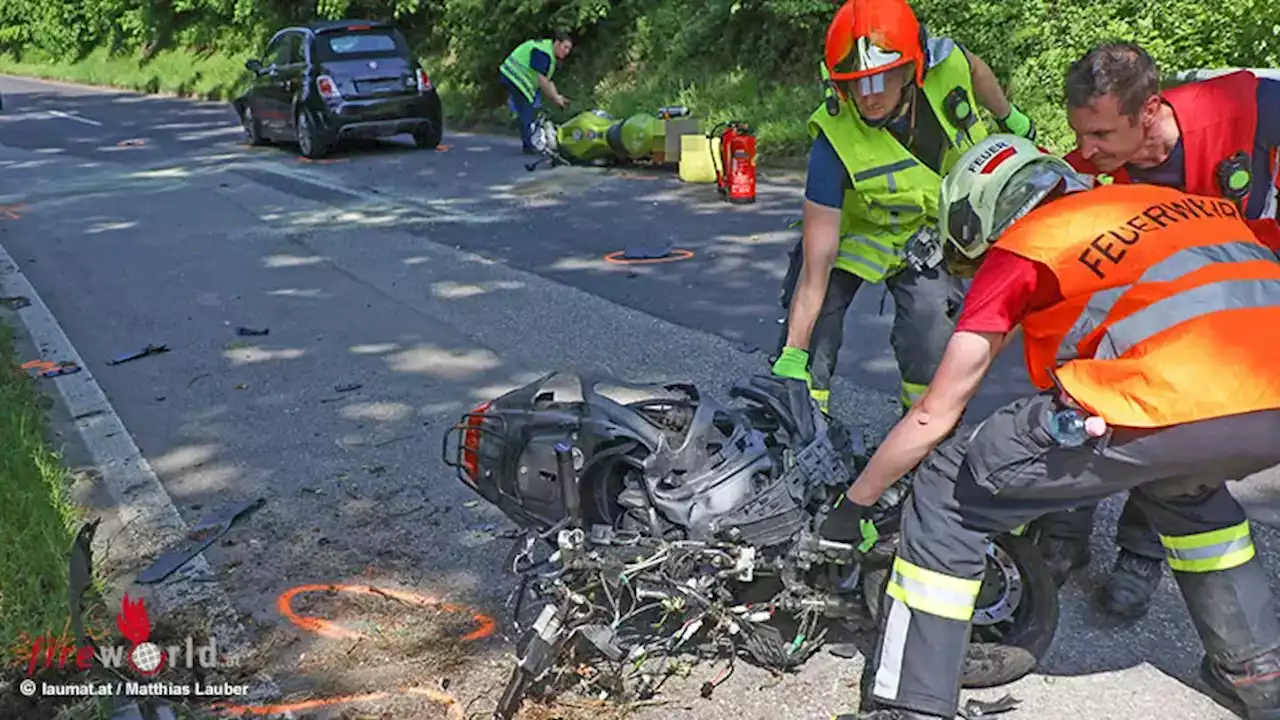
x: 16, y: 302
x: 48, y: 369
x: 251, y: 332
x: 202, y: 535
x: 347, y: 387
x: 148, y: 350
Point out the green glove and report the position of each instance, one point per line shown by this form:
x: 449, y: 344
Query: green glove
x: 793, y: 363
x: 1018, y: 123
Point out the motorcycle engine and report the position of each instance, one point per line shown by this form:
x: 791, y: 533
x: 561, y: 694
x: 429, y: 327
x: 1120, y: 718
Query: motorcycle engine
x: 671, y: 520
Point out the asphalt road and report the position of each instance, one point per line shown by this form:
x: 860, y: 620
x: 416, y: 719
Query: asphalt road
x: 434, y: 280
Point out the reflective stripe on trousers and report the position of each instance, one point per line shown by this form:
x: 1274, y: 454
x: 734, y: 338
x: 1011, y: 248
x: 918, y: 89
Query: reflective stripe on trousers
x: 822, y: 397
x: 911, y: 393
x: 1210, y: 551
x: 914, y: 594
x: 1175, y: 266
x: 933, y: 592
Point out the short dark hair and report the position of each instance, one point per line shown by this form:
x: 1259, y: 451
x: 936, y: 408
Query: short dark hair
x: 1122, y: 69
x: 561, y: 36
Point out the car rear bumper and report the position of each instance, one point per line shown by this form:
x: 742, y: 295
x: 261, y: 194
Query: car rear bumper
x: 382, y: 116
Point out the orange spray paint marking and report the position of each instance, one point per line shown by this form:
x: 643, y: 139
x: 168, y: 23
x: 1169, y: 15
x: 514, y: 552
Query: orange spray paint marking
x: 12, y: 211
x: 323, y: 627
x: 320, y: 626
x: 616, y: 257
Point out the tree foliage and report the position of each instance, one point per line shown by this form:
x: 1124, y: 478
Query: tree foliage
x: 742, y: 56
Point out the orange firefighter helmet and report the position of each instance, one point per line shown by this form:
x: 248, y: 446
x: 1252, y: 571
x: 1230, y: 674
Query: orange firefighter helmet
x: 869, y: 37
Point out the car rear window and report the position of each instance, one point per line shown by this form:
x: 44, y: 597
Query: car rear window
x: 336, y: 46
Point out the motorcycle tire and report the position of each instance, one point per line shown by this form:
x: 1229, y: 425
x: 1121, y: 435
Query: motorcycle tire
x: 1027, y: 634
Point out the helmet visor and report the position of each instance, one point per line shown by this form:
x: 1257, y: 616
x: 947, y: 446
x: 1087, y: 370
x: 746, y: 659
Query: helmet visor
x: 1026, y: 189
x: 866, y: 62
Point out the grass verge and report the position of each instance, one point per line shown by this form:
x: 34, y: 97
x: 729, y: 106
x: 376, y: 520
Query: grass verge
x: 37, y: 515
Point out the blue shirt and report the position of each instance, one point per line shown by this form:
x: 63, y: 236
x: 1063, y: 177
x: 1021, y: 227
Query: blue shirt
x: 540, y: 61
x: 1172, y: 172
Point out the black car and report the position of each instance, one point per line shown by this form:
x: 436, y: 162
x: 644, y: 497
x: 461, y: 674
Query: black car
x: 327, y: 81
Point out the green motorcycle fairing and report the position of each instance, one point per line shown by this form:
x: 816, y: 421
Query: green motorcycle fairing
x: 596, y: 136
x: 583, y: 138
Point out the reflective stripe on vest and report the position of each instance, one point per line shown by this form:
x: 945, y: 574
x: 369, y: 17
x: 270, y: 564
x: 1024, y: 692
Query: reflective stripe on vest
x: 1177, y: 265
x: 1161, y: 293
x: 518, y: 66
x: 894, y: 193
x: 1210, y: 551
x: 1124, y: 335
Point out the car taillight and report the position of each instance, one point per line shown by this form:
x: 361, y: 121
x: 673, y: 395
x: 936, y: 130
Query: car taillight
x: 471, y: 441
x: 424, y: 81
x: 327, y: 87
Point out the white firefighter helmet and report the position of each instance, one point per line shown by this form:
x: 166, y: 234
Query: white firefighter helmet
x: 995, y: 182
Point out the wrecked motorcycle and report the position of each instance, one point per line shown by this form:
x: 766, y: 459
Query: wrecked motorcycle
x: 594, y: 137
x: 672, y: 525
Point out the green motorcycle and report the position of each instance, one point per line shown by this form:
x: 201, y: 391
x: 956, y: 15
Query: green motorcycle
x: 594, y: 137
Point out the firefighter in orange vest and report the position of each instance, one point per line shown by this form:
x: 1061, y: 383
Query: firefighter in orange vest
x: 1217, y: 137
x: 1140, y: 307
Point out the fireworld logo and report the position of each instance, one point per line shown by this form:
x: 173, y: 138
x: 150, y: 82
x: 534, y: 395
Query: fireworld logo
x: 144, y: 657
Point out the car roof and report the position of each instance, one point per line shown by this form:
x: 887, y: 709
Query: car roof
x: 331, y: 25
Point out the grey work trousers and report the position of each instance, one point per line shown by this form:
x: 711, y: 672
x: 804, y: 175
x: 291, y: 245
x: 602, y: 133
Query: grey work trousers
x: 925, y: 309
x: 1133, y: 532
x: 1009, y: 472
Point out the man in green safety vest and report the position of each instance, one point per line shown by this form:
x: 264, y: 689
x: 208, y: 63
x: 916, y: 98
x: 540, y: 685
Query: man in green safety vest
x: 899, y: 111
x: 526, y: 75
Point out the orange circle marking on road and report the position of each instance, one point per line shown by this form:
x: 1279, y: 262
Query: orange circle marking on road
x: 617, y: 258
x: 320, y: 626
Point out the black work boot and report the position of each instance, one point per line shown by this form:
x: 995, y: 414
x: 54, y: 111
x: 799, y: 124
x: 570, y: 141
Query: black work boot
x: 1132, y: 584
x: 1063, y: 555
x: 1253, y: 686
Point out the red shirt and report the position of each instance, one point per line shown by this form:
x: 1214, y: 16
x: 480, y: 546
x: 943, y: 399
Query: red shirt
x: 1004, y: 290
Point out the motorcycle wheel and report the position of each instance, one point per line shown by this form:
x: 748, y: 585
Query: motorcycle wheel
x: 1015, y: 618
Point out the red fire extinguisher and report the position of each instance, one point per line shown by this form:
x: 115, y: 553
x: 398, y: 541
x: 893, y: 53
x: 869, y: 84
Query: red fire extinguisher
x: 736, y: 174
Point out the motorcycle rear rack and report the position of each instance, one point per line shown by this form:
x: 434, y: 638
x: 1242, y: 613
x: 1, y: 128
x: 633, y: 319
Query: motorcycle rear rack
x: 455, y: 459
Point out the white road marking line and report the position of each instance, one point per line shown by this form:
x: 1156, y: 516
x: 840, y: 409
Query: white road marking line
x: 77, y: 118
x: 134, y: 486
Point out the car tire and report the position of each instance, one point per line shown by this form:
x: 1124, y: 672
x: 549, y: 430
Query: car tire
x: 428, y: 136
x: 252, y: 128
x: 1029, y: 632
x: 310, y: 142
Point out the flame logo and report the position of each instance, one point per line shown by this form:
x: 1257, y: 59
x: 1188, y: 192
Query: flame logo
x: 145, y: 657
x: 133, y: 621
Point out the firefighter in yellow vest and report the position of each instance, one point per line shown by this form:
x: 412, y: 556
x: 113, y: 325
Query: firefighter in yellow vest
x: 526, y: 75
x: 900, y: 108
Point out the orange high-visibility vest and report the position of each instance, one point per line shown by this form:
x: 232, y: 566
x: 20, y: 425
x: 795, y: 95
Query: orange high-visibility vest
x: 1170, y: 309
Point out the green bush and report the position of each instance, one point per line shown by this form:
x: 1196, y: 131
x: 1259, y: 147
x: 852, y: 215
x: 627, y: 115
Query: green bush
x: 754, y: 60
